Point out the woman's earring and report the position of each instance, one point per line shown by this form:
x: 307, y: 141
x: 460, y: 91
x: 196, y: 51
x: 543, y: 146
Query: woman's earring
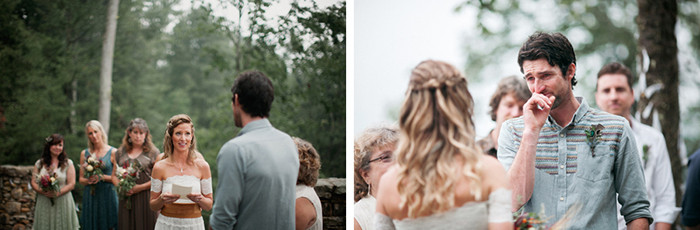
x: 369, y: 189
x: 128, y: 139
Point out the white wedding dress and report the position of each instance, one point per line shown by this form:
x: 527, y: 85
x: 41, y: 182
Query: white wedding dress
x: 198, y: 186
x: 471, y: 215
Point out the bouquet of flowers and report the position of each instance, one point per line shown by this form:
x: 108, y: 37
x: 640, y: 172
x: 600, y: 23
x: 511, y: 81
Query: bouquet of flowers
x: 537, y: 221
x: 127, y: 180
x: 93, y: 167
x: 529, y: 221
x: 49, y: 183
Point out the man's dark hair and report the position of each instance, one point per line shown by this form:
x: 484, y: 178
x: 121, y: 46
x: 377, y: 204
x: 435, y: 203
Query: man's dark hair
x: 255, y: 93
x: 555, y: 47
x: 616, y: 68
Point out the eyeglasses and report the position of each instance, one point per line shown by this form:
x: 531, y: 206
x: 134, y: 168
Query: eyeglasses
x: 385, y: 158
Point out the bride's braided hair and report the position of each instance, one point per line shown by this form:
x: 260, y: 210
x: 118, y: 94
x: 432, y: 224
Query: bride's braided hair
x: 436, y: 126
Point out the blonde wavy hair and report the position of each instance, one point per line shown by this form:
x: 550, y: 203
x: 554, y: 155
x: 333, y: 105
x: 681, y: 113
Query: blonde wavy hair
x: 436, y: 127
x: 371, y: 139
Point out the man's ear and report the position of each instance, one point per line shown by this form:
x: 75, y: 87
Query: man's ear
x: 571, y: 71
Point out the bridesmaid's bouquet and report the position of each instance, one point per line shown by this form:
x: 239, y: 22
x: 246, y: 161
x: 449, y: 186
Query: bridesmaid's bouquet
x: 127, y: 180
x: 93, y: 167
x: 49, y: 183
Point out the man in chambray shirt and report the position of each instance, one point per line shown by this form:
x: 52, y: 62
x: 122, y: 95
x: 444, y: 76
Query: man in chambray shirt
x: 258, y: 168
x: 564, y: 158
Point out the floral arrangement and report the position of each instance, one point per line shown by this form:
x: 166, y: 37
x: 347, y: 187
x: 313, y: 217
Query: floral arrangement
x: 537, y: 221
x: 49, y: 183
x: 127, y: 180
x: 529, y: 221
x: 93, y: 167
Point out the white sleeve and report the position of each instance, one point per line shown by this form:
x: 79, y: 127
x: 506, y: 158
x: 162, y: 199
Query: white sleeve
x: 383, y: 222
x: 156, y: 185
x: 665, y: 209
x: 206, y: 186
x: 500, y: 206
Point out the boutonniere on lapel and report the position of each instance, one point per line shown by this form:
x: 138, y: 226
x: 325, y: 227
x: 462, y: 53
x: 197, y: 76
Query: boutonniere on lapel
x: 592, y: 136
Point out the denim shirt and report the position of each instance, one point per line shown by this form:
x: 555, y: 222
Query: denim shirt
x: 573, y: 170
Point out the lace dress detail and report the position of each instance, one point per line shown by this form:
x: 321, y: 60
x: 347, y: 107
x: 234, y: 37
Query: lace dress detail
x: 166, y: 222
x: 60, y: 215
x: 475, y: 215
x: 206, y: 186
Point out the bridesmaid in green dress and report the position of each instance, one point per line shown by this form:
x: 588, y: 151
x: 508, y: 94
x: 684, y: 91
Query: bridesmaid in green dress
x: 55, y: 209
x: 99, y: 198
x: 136, y: 147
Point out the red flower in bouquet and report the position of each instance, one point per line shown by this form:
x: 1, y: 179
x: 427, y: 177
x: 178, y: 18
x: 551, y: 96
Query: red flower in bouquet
x: 127, y: 180
x: 49, y: 183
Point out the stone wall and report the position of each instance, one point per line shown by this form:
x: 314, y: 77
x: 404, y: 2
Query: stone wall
x: 332, y: 192
x: 17, y: 204
x: 17, y: 201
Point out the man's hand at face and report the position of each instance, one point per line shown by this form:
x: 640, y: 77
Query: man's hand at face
x: 536, y: 110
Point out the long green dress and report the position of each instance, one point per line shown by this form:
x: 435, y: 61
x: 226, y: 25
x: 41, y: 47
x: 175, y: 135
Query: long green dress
x: 100, y: 210
x: 60, y: 215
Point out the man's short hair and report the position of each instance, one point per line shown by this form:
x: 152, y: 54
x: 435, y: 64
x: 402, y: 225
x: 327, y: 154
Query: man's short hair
x: 555, y: 47
x: 255, y: 93
x: 507, y: 85
x: 616, y: 68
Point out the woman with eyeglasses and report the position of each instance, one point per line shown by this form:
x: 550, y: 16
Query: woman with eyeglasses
x: 373, y: 156
x: 441, y: 179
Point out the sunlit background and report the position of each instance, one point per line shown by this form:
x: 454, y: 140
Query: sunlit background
x: 392, y: 37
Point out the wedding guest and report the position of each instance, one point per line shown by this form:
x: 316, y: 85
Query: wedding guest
x: 563, y: 154
x: 690, y: 216
x: 614, y: 95
x: 54, y: 209
x: 258, y: 168
x: 308, y: 209
x: 374, y: 153
x: 136, y: 151
x: 506, y: 103
x: 99, y: 198
x: 180, y: 168
x: 442, y: 179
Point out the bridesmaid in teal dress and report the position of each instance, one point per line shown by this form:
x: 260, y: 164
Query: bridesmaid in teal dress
x: 55, y: 209
x: 99, y: 198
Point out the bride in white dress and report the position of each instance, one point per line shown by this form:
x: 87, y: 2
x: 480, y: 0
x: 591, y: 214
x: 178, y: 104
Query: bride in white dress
x: 441, y: 179
x: 180, y: 168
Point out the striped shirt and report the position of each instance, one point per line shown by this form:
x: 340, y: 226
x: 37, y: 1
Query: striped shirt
x: 574, y: 166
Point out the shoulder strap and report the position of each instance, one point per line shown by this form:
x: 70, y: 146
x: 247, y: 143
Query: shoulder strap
x: 37, y: 165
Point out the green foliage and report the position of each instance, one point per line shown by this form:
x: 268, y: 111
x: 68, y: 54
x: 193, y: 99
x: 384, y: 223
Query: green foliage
x: 49, y: 68
x: 315, y: 42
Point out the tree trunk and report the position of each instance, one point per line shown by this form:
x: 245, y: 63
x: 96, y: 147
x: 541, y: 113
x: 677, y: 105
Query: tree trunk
x: 659, y: 68
x: 106, y: 65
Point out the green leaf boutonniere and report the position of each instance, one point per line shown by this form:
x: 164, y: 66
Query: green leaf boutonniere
x: 592, y: 136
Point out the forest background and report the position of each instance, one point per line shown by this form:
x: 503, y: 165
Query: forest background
x: 169, y: 61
